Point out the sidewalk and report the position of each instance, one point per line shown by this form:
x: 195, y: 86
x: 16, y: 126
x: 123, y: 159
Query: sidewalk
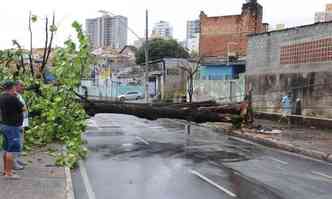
x: 310, y: 142
x: 40, y: 179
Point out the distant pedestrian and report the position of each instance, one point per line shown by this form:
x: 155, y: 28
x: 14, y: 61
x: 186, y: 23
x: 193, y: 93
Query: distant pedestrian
x: 18, y: 163
x: 11, y: 112
x: 285, y: 101
x: 298, y: 107
x: 250, y: 113
x: 286, y: 107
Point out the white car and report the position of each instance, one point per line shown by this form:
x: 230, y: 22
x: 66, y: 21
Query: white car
x: 132, y: 95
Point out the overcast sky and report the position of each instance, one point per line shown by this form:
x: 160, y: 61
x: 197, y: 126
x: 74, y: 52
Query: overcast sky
x: 14, y: 14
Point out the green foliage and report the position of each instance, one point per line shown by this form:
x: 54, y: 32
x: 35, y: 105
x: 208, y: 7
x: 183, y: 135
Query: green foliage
x: 162, y: 48
x: 61, y: 119
x: 53, y: 28
x: 58, y: 115
x: 34, y: 18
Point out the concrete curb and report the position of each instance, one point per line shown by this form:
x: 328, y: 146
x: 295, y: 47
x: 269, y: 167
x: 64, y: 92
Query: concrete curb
x: 321, y: 123
x: 284, y: 146
x: 69, y: 185
x: 279, y: 145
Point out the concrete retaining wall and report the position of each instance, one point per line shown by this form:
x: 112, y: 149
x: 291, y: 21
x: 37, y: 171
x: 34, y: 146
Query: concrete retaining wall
x: 278, y: 64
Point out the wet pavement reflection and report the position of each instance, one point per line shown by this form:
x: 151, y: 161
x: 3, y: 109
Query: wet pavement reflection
x: 136, y: 158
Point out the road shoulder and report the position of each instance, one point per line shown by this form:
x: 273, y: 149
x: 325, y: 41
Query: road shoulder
x: 271, y: 141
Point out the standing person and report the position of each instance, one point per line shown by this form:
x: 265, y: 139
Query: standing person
x: 11, y: 121
x: 250, y: 112
x: 18, y: 163
x: 286, y: 107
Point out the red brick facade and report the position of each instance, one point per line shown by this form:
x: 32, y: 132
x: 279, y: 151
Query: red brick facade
x: 228, y: 34
x: 307, y: 52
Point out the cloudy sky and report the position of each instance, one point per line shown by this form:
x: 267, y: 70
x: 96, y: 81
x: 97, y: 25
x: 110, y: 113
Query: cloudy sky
x: 14, y: 14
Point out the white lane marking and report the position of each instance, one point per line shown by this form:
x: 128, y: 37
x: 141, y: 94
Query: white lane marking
x: 322, y: 174
x: 196, y: 173
x: 142, y: 140
x: 127, y: 145
x: 86, y: 181
x: 277, y: 160
x: 156, y: 127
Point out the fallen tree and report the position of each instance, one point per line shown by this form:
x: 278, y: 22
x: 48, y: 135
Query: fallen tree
x: 191, y: 112
x: 225, y: 108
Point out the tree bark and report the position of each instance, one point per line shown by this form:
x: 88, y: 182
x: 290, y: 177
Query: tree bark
x: 51, y: 40
x: 154, y: 112
x: 30, y: 53
x: 45, y: 48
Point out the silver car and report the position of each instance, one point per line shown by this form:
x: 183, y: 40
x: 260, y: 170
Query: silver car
x: 132, y: 95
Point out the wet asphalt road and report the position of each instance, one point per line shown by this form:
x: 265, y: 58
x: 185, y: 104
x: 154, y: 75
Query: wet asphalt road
x: 133, y: 158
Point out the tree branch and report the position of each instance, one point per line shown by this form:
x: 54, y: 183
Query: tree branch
x: 30, y: 53
x: 21, y: 56
x: 45, y: 48
x: 51, y: 40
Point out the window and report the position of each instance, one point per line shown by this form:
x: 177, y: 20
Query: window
x: 132, y: 93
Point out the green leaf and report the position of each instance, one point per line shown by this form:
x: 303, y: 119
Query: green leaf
x: 34, y: 18
x: 53, y: 28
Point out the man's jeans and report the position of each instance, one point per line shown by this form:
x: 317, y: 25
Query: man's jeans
x: 12, y: 137
x: 12, y: 141
x: 17, y: 155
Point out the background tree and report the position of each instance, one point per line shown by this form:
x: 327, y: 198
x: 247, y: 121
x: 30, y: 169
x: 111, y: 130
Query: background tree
x: 191, y: 68
x: 162, y: 48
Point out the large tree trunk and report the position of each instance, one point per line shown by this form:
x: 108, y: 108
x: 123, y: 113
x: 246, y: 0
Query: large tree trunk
x: 178, y: 111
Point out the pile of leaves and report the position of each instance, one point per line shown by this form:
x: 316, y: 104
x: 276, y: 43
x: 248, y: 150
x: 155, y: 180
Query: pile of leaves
x: 57, y: 115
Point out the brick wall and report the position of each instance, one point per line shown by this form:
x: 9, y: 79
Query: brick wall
x: 297, y: 60
x: 220, y: 35
x: 266, y: 50
x: 319, y: 50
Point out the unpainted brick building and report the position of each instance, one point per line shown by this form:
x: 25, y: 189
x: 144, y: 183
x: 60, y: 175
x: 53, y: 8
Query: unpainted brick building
x: 297, y: 61
x: 224, y: 35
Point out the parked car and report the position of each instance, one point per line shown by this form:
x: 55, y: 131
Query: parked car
x: 132, y: 95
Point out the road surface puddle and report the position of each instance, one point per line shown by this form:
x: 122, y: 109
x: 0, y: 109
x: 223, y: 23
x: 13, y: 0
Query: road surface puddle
x: 196, y: 154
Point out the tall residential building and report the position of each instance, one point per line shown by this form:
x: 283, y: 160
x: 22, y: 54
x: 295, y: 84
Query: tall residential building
x: 162, y: 29
x: 192, y: 28
x: 192, y: 40
x: 324, y: 16
x: 107, y: 31
x: 193, y: 43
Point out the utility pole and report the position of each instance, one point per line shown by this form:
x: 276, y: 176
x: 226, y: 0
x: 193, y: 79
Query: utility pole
x: 146, y: 49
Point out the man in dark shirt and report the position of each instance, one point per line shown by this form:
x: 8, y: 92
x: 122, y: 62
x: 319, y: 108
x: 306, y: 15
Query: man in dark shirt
x: 11, y: 120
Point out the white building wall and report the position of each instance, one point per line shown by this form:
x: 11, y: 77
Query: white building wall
x: 193, y: 30
x: 163, y: 29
